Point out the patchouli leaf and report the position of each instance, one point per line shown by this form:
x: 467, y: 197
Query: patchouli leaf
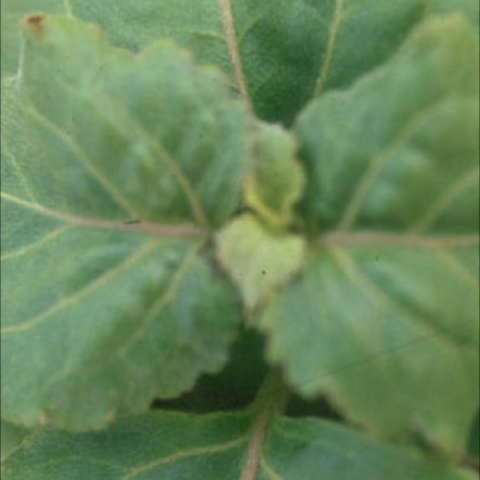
x: 370, y: 155
x: 218, y: 447
x: 277, y: 179
x: 278, y: 53
x: 385, y: 317
x: 257, y: 259
x: 113, y: 166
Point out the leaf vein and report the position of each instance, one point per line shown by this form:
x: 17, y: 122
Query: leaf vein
x: 467, y: 181
x: 89, y: 164
x: 399, y: 240
x: 78, y: 295
x: 146, y: 228
x: 162, y: 153
x: 456, y: 267
x: 381, y: 298
x: 338, y: 18
x: 252, y: 24
x: 194, y: 452
x: 155, y: 309
x: 68, y: 8
x: 377, y: 164
x: 232, y: 45
x: 39, y: 243
x: 268, y: 469
x: 315, y: 441
x: 19, y: 170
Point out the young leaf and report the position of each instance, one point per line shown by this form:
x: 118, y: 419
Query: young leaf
x: 113, y: 165
x: 277, y: 180
x: 278, y: 53
x: 386, y: 314
x: 218, y: 447
x: 258, y: 260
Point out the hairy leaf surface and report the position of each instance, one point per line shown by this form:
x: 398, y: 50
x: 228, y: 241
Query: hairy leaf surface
x: 217, y: 447
x: 113, y: 167
x: 385, y: 317
x: 278, y: 53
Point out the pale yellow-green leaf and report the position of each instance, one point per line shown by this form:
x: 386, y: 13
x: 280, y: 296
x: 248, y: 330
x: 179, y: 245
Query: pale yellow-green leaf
x: 277, y: 179
x: 256, y: 258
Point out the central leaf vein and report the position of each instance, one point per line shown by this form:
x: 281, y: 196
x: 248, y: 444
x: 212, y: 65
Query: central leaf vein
x: 146, y: 228
x: 338, y: 17
x: 232, y: 44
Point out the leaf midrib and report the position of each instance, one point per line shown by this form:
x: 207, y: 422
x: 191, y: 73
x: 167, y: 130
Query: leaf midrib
x: 270, y: 402
x: 398, y: 240
x: 146, y: 228
x: 338, y: 18
x: 228, y: 23
x: 255, y: 447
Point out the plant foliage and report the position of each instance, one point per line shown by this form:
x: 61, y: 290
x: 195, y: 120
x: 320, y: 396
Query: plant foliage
x: 177, y: 173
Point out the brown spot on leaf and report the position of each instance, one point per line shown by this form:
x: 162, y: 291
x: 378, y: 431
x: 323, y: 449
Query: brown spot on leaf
x: 36, y: 24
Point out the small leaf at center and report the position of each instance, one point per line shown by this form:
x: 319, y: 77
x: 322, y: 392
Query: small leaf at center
x: 257, y: 259
x: 277, y: 180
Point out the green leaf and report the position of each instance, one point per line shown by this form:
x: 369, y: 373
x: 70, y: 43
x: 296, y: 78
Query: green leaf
x: 112, y: 165
x: 277, y: 180
x: 385, y: 317
x: 218, y: 447
x: 258, y: 260
x: 278, y: 53
x: 371, y: 155
x: 180, y: 157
